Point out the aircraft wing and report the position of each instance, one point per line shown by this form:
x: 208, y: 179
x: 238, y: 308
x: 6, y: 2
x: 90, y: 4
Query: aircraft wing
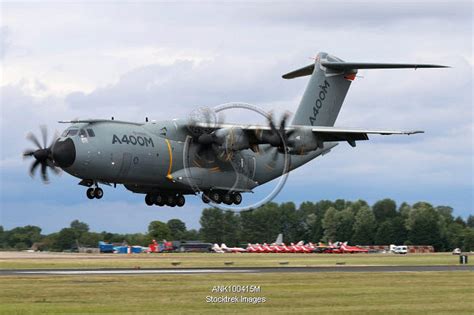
x: 324, y: 134
x: 350, y: 134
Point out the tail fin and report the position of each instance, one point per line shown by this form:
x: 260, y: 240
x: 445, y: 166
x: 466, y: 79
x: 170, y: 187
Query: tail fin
x: 330, y: 80
x: 279, y: 239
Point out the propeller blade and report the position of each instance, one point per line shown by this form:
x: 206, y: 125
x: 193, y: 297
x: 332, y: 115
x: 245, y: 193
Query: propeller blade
x: 33, y: 139
x: 44, y: 173
x: 283, y: 122
x: 55, y: 137
x: 33, y: 167
x: 55, y: 169
x: 44, y: 134
x: 270, y: 122
x: 28, y: 153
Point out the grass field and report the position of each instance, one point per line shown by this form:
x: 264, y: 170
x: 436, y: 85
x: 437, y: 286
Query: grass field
x: 317, y: 293
x: 57, y: 260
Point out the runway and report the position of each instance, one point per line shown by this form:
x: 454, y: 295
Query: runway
x: 190, y: 271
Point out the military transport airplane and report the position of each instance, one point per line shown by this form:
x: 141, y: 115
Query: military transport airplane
x: 166, y: 160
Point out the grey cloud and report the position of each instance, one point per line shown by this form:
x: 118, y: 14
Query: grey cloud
x: 5, y: 41
x: 185, y: 85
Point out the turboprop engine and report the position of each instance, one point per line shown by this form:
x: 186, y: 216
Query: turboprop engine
x: 303, y: 140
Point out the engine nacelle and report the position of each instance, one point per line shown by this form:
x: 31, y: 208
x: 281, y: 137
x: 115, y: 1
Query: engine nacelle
x: 233, y: 139
x: 303, y: 140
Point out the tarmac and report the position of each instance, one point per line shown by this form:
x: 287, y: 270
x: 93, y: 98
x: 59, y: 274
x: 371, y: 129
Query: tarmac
x: 138, y: 271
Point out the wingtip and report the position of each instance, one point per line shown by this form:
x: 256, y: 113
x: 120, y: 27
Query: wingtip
x: 414, y: 132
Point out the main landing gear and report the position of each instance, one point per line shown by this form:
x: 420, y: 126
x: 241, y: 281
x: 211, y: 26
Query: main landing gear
x: 96, y: 192
x: 164, y: 199
x: 222, y: 197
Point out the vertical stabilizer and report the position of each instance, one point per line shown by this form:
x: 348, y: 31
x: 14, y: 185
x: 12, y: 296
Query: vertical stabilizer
x: 279, y: 239
x: 324, y: 94
x: 328, y: 86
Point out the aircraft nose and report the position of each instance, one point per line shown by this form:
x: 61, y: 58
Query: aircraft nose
x: 64, y: 153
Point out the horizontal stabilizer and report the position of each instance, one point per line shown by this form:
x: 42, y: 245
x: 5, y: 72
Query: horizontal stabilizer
x: 308, y: 70
x: 369, y: 65
x: 345, y: 66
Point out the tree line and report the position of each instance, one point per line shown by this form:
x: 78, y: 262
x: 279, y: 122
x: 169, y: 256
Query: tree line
x: 357, y: 222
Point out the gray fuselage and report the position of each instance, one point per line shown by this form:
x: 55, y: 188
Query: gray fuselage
x: 150, y: 157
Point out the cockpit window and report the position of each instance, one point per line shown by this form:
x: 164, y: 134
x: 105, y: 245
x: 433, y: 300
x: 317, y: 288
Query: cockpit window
x: 91, y: 132
x: 72, y: 132
x: 82, y: 133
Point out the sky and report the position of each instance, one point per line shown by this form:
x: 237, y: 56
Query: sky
x: 66, y: 60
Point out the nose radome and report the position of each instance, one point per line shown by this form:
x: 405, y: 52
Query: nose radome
x: 64, y: 153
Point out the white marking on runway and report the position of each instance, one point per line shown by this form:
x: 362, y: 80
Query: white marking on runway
x: 107, y: 272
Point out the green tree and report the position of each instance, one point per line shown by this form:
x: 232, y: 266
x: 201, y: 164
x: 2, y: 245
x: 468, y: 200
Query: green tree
x: 455, y: 236
x: 27, y: 235
x: 340, y: 204
x: 191, y: 235
x: 265, y: 223
x: 314, y: 228
x: 470, y: 221
x: 391, y: 231
x: 445, y: 212
x: 231, y: 228
x: 460, y: 221
x: 66, y: 239
x: 90, y: 238
x: 364, y: 227
x: 177, y: 228
x: 345, y: 225
x: 405, y: 210
x: 138, y: 239
x: 159, y: 231
x: 330, y: 225
x: 384, y: 209
x: 468, y: 243
x: 79, y: 228
x: 212, y: 225
x: 423, y: 226
x: 2, y: 237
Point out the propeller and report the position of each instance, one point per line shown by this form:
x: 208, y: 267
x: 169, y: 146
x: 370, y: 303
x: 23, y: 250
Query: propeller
x: 208, y: 141
x: 42, y: 154
x: 276, y: 138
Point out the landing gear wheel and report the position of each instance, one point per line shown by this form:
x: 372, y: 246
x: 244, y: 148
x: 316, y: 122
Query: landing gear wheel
x: 98, y: 193
x: 227, y: 199
x: 237, y: 198
x: 205, y: 198
x: 90, y: 193
x: 216, y: 197
x: 159, y: 200
x: 180, y: 201
x: 171, y: 201
x: 149, y: 200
